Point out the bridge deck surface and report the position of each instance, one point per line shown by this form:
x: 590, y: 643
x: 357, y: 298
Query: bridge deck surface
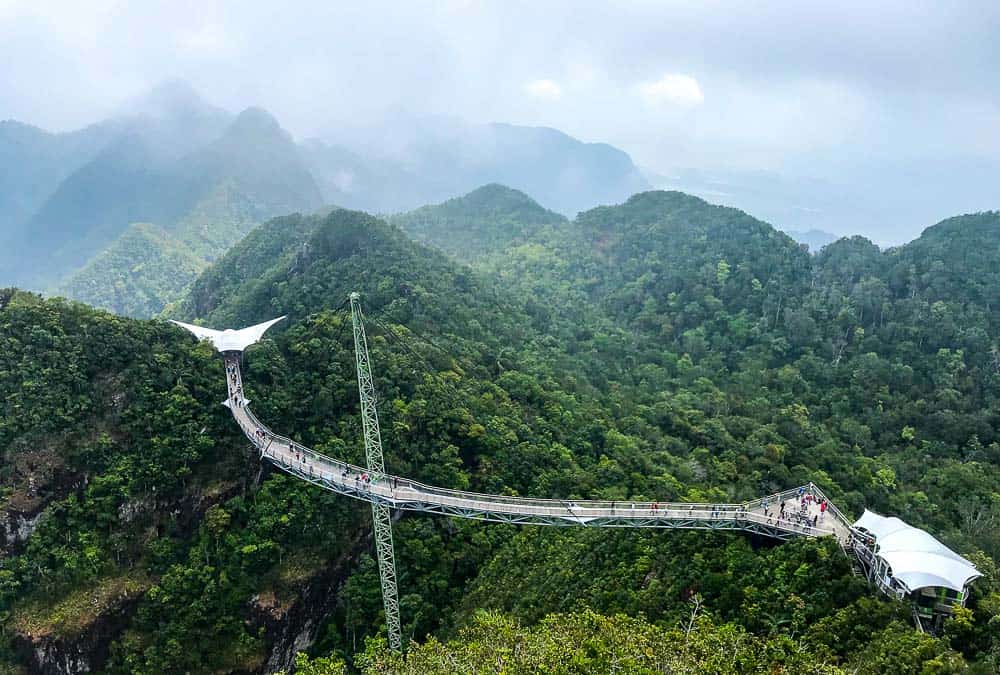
x: 761, y: 515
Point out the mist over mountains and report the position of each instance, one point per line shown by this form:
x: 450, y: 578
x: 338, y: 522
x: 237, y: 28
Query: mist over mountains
x: 405, y: 161
x: 887, y: 201
x: 203, y: 177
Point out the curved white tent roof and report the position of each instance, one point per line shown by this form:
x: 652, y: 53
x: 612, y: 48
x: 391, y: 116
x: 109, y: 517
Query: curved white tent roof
x: 230, y: 340
x: 917, y: 559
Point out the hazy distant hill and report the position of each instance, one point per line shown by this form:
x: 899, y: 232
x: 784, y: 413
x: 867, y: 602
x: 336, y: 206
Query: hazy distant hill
x: 132, y: 181
x: 200, y: 176
x: 136, y: 275
x: 425, y: 162
x: 203, y: 178
x: 35, y: 162
x: 46, y: 176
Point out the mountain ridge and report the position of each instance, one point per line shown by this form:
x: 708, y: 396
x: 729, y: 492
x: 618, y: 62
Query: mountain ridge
x: 174, y: 160
x: 660, y: 349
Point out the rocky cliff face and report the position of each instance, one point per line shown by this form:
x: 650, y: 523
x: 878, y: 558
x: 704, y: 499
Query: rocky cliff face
x: 16, y: 527
x: 86, y: 652
x: 290, y: 622
x: 53, y: 649
x: 292, y: 625
x: 23, y: 510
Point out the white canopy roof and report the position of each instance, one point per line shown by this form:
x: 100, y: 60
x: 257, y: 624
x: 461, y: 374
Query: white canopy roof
x: 917, y: 559
x: 230, y: 340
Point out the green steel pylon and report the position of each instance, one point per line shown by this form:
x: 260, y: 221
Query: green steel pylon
x: 376, y: 468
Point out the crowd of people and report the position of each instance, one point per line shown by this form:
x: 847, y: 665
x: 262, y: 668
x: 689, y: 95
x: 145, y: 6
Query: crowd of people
x: 235, y: 387
x: 797, y: 509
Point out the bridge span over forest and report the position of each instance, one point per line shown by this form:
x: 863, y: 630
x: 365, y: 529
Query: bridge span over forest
x: 802, y: 515
x: 759, y: 516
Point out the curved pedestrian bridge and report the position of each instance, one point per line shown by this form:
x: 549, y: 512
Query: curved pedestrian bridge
x: 762, y: 516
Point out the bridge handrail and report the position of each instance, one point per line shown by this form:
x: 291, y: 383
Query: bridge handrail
x: 565, y: 508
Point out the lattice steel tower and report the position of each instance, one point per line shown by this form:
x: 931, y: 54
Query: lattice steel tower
x: 376, y: 469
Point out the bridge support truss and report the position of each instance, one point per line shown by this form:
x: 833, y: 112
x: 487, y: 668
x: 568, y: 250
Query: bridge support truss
x: 381, y: 514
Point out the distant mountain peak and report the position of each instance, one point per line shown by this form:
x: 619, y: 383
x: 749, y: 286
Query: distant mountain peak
x: 493, y: 189
x: 501, y: 195
x: 172, y: 98
x: 174, y: 91
x: 254, y: 121
x: 486, y: 220
x: 666, y: 197
x: 496, y: 199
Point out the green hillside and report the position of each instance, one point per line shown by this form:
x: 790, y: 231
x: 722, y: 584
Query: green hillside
x: 138, y: 274
x: 147, y: 267
x: 489, y: 219
x: 661, y: 349
x: 202, y: 178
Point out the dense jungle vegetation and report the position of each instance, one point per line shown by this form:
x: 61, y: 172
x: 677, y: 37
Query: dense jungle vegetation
x: 664, y: 348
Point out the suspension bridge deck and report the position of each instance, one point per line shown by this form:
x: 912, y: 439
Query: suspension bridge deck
x: 762, y: 516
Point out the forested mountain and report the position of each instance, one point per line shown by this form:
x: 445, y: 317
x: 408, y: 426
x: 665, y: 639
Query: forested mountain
x: 487, y: 220
x: 138, y: 273
x: 663, y: 348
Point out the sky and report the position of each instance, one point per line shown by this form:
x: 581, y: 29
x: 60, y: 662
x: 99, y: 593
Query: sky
x: 738, y: 98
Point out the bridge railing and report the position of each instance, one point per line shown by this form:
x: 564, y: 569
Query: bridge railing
x: 400, y: 491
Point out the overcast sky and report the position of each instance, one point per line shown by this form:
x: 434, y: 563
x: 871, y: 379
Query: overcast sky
x: 815, y: 87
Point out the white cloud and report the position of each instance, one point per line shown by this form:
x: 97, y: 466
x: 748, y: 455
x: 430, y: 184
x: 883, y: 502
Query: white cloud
x: 672, y: 88
x: 546, y: 89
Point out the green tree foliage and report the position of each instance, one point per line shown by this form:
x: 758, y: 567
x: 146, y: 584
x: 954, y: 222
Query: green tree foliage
x: 663, y: 348
x: 586, y: 642
x: 488, y: 220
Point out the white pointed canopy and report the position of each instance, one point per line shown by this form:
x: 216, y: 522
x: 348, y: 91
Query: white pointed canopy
x: 917, y: 559
x: 230, y: 340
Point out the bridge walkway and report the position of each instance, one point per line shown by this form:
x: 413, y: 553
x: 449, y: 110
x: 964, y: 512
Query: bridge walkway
x: 759, y: 516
